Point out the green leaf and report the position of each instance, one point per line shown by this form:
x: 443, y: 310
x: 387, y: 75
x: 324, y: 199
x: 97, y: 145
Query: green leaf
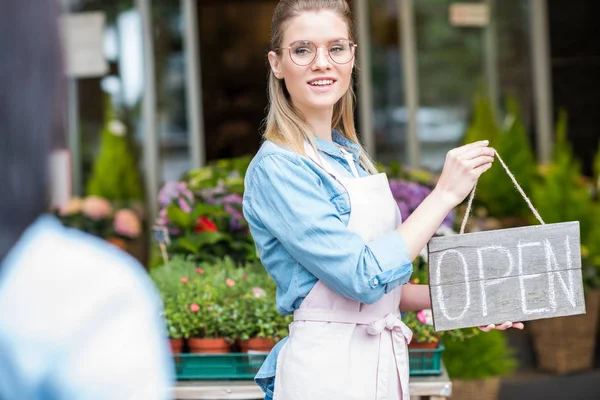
x: 202, y: 210
x: 180, y: 217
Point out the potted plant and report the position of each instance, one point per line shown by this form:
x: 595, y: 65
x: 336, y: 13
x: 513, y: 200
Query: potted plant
x: 172, y: 280
x: 97, y: 216
x: 203, y: 214
x: 421, y: 325
x: 566, y: 344
x: 210, y: 306
x: 476, y: 365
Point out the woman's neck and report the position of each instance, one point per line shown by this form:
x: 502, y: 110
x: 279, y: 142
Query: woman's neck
x: 319, y: 122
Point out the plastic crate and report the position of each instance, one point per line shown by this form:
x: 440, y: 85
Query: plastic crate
x: 426, y: 361
x: 244, y: 366
x: 217, y: 366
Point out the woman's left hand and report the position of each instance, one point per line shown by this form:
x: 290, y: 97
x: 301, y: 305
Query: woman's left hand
x: 504, y: 326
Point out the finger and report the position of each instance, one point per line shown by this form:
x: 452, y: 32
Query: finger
x: 504, y: 326
x: 481, y: 169
x: 476, y: 152
x: 518, y: 325
x: 467, y: 147
x: 479, y: 161
x: 487, y: 328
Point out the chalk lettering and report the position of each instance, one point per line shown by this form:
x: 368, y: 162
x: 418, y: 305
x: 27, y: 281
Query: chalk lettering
x: 483, y: 283
x: 440, y: 294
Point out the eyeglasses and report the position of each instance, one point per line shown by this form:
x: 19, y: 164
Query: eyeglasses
x: 304, y: 52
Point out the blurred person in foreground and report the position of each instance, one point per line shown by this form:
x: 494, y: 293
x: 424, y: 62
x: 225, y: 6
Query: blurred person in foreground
x: 79, y: 319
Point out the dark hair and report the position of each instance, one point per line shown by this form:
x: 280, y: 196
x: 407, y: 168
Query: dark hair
x: 31, y: 106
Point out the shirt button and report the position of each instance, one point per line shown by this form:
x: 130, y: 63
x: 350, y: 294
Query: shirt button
x: 375, y: 281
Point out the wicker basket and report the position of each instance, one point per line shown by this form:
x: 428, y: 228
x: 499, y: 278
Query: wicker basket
x: 476, y: 389
x: 566, y: 344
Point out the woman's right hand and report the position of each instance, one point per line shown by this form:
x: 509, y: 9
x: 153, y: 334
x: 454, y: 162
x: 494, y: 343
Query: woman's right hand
x: 463, y: 167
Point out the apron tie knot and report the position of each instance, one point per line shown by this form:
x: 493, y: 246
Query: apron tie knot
x: 392, y: 323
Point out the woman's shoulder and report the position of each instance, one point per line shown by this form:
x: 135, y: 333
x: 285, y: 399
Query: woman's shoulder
x: 273, y: 163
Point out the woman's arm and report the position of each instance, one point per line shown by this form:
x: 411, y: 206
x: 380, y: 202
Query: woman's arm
x: 463, y: 166
x: 415, y: 298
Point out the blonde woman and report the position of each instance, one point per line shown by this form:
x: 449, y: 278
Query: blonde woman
x: 326, y: 225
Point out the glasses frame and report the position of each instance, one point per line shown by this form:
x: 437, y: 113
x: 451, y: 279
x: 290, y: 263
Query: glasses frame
x: 353, y: 46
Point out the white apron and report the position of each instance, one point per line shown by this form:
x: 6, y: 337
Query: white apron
x: 342, y: 349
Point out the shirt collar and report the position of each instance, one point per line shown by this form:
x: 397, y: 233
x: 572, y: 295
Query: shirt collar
x: 333, y: 150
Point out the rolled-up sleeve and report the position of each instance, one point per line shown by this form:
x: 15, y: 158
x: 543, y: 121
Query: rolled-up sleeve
x: 286, y: 198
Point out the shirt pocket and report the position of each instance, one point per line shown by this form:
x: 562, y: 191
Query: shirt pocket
x: 341, y: 201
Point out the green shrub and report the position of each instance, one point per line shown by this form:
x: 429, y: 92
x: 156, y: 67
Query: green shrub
x: 560, y: 195
x: 483, y: 356
x: 115, y: 175
x: 514, y: 148
x: 484, y: 127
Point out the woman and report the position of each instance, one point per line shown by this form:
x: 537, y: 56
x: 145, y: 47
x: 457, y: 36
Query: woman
x: 326, y: 225
x: 79, y: 319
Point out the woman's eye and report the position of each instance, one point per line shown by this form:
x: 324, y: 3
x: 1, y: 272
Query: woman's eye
x: 336, y: 49
x: 302, y: 51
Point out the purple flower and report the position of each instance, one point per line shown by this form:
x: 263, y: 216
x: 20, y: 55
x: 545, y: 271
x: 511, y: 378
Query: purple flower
x: 174, y: 190
x: 213, y: 195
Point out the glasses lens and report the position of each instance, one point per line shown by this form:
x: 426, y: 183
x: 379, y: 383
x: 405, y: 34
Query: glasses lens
x: 303, y: 53
x: 341, y: 51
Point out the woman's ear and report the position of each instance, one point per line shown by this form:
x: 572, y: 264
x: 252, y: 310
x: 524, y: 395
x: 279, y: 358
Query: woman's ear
x: 275, y: 64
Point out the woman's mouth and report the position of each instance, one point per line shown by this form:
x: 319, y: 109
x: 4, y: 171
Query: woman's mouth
x: 321, y: 85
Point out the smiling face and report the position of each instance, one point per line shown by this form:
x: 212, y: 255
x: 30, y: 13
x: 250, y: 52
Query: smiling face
x: 319, y: 85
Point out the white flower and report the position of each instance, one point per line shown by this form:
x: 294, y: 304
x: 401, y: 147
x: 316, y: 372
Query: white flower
x: 117, y: 128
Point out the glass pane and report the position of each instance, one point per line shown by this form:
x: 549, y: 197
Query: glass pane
x: 234, y: 41
x: 514, y: 55
x: 171, y: 116
x: 389, y: 113
x: 450, y: 68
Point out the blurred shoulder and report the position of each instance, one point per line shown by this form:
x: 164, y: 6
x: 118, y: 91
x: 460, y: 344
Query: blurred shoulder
x: 58, y: 258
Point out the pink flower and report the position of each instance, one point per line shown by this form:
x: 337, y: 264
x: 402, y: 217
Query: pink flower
x: 229, y: 282
x: 72, y: 207
x: 184, y: 205
x: 96, y: 207
x: 127, y: 223
x: 425, y: 316
x: 209, y: 308
x: 199, y: 270
x: 245, y: 276
x: 258, y: 292
x: 194, y: 307
x: 184, y: 280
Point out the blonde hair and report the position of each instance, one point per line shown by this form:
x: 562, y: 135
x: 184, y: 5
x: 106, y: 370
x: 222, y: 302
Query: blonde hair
x: 285, y: 125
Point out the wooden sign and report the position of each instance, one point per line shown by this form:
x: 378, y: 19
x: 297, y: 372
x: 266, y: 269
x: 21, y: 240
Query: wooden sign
x: 515, y: 275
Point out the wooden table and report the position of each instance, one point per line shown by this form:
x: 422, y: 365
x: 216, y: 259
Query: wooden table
x: 434, y: 387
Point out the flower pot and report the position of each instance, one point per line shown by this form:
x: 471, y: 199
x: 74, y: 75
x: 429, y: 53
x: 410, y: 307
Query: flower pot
x: 120, y: 243
x: 423, y: 345
x: 566, y: 344
x: 208, y: 346
x: 257, y: 344
x: 176, y: 345
x: 476, y: 389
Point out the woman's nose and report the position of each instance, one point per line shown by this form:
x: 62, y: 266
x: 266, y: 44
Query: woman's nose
x: 322, y: 60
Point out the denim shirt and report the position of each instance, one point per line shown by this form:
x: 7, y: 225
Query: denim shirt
x: 79, y: 319
x: 298, y: 215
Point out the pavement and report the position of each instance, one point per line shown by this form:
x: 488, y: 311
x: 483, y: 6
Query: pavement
x: 530, y: 384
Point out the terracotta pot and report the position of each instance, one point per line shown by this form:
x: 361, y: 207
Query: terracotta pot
x: 208, y: 346
x: 423, y: 345
x: 256, y: 344
x: 120, y: 243
x: 176, y: 345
